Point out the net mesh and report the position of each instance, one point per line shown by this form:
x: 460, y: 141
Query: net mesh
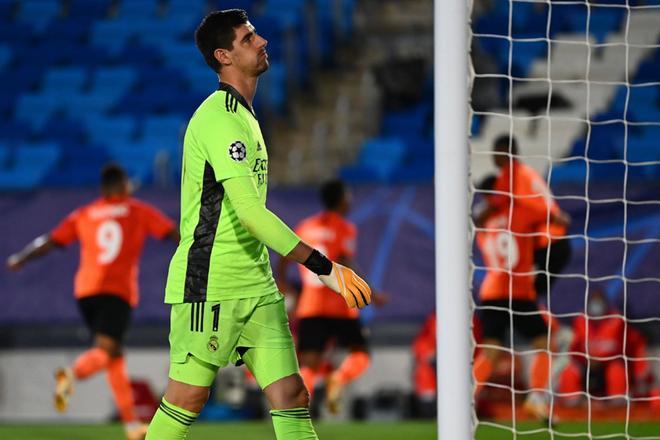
x: 576, y: 86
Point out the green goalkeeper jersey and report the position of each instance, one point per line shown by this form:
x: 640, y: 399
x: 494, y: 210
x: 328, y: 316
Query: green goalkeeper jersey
x: 217, y: 258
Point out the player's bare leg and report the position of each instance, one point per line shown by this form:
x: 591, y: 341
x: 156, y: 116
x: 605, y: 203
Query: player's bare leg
x: 63, y: 388
x: 87, y: 364
x: 353, y: 366
x: 178, y: 411
x: 189, y: 397
x: 310, y: 364
x: 137, y: 433
x: 484, y: 362
x: 290, y: 402
x: 334, y: 391
x: 536, y: 403
x: 288, y: 392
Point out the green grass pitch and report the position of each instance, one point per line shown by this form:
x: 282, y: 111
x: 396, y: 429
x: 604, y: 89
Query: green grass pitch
x: 328, y: 431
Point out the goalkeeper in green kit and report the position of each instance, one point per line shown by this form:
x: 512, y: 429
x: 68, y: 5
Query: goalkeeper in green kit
x: 225, y: 305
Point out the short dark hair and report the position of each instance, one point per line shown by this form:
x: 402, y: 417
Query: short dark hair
x: 112, y: 177
x: 503, y: 142
x: 332, y: 193
x: 216, y: 31
x: 487, y: 183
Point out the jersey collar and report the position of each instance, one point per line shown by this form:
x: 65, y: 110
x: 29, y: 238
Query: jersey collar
x: 233, y: 92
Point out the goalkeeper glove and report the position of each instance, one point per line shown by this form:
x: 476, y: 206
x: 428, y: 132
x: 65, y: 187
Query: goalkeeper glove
x: 343, y: 280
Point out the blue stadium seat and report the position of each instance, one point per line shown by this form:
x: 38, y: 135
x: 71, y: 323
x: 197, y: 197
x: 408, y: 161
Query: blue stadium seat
x: 157, y: 99
x: 12, y: 130
x: 102, y: 130
x: 200, y: 78
x: 112, y: 34
x: 523, y: 55
x: 79, y: 165
x: 247, y: 5
x: 140, y: 55
x: 31, y: 163
x: 66, y: 79
x: 182, y: 55
x: 161, y: 33
x: 5, y: 152
x: 38, y: 13
x: 13, y: 32
x: 194, y: 9
x: 136, y: 158
x: 74, y: 29
x: 63, y: 130
x: 126, y: 73
x: 572, y: 172
x: 22, y: 78
x: 327, y: 30
x: 89, y: 56
x: 414, y: 120
x: 36, y: 109
x: 273, y: 89
x: 168, y: 126
x: 113, y: 79
x: 648, y: 69
x: 87, y: 8
x: 86, y: 104
x: 5, y: 55
x: 138, y: 8
x: 641, y: 99
x: 379, y: 158
x: 601, y: 21
x: 6, y: 11
x: 46, y: 52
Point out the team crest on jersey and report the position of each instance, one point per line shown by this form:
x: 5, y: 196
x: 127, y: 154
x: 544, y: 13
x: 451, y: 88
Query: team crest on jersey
x: 213, y: 344
x: 237, y: 151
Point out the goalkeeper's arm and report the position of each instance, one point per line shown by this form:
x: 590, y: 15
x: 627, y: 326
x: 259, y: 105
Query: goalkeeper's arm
x: 271, y: 231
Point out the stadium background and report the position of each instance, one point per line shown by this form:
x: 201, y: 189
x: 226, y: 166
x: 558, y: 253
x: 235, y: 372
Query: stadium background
x: 350, y: 93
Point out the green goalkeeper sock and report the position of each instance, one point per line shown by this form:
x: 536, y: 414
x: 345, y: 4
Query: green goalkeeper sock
x: 170, y: 422
x: 293, y: 424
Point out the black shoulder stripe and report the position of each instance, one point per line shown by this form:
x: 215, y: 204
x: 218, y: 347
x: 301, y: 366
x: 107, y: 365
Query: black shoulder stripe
x: 231, y: 103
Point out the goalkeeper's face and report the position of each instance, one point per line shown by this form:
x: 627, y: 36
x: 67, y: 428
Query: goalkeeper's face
x: 249, y: 53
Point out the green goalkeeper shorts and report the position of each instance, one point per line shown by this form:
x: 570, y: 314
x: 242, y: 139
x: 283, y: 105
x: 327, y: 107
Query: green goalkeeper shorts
x: 206, y: 336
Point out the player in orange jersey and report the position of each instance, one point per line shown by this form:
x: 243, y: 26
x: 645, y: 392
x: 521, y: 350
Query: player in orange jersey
x: 552, y: 248
x: 509, y: 227
x: 605, y: 348
x: 111, y: 231
x: 323, y: 315
x: 425, y: 356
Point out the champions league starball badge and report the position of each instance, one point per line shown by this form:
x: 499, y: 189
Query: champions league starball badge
x: 237, y: 151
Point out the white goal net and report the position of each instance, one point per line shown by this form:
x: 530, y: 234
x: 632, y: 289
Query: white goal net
x: 565, y: 184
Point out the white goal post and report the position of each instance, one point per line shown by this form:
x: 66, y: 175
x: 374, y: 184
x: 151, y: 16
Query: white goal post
x: 451, y: 232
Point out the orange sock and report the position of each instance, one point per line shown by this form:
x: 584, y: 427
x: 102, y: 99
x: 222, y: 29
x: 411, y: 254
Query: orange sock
x: 540, y: 373
x: 90, y: 362
x: 353, y: 366
x: 615, y: 378
x: 120, y: 385
x: 309, y: 376
x: 570, y: 380
x: 481, y: 369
